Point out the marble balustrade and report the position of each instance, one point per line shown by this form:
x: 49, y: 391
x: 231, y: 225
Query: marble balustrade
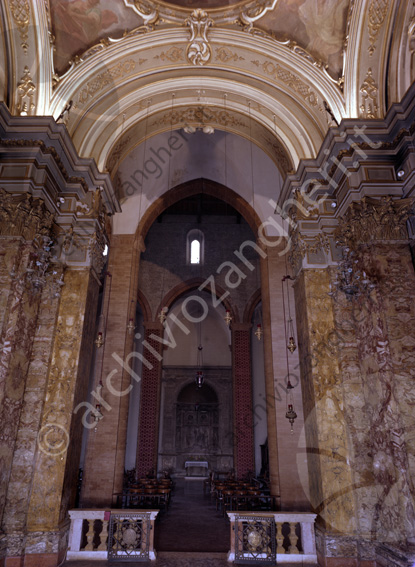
x: 305, y: 554
x: 90, y: 551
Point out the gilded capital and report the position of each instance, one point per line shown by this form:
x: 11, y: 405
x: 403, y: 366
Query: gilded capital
x: 23, y: 215
x: 371, y: 220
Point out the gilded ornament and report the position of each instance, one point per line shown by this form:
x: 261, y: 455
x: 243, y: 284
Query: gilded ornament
x: 147, y: 12
x: 25, y: 93
x: 198, y: 114
x: 377, y: 14
x: 255, y: 12
x: 106, y: 78
x: 372, y: 219
x: 225, y: 55
x: 299, y: 247
x: 23, y: 215
x: 173, y: 54
x: 369, y: 90
x: 198, y: 50
x: 20, y: 10
x: 279, y: 73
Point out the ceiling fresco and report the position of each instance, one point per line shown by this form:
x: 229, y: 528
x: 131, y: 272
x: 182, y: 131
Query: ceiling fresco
x: 79, y: 24
x: 316, y: 25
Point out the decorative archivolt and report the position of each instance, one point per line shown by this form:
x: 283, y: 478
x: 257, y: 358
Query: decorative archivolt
x: 287, y: 94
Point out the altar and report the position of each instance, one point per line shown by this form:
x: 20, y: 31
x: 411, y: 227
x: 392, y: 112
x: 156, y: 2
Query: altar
x: 196, y: 468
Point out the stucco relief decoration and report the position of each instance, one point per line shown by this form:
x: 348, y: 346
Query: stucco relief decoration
x: 255, y: 12
x: 20, y: 10
x: 146, y: 11
x: 369, y: 92
x: 106, y: 78
x: 198, y: 50
x: 279, y: 73
x: 377, y: 14
x: 25, y: 94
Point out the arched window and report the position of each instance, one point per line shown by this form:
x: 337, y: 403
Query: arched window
x: 195, y: 247
x: 195, y: 251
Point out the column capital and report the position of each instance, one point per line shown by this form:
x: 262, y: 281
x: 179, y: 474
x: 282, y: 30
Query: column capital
x: 371, y: 220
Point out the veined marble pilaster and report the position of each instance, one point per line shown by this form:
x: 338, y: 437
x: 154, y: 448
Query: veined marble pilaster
x: 386, y: 338
x: 60, y: 432
x: 330, y: 476
x: 25, y: 225
x: 22, y: 471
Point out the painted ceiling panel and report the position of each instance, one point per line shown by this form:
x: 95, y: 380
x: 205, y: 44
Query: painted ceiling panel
x: 315, y: 25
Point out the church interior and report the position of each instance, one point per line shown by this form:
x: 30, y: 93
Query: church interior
x: 207, y: 279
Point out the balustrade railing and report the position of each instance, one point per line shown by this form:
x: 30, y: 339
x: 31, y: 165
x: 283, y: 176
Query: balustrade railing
x: 131, y: 534
x: 257, y: 537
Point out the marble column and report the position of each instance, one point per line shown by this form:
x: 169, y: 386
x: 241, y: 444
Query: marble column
x: 148, y: 426
x: 244, y: 460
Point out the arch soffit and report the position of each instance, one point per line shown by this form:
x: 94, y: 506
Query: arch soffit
x: 183, y: 288
x: 251, y: 305
x: 278, y: 81
x: 194, y: 187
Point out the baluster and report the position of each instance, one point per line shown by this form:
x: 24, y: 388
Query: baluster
x: 90, y: 536
x: 103, y: 536
x: 293, y: 549
x: 280, y: 539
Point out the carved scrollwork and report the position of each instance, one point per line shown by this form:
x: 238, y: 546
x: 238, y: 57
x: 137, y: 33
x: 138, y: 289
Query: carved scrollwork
x: 255, y: 12
x: 198, y: 50
x: 149, y: 14
x: 20, y: 10
x: 377, y: 14
x: 25, y: 93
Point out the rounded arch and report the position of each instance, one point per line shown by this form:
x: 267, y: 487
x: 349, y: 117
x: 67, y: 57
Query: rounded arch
x: 191, y: 395
x: 211, y: 188
x: 286, y: 90
x: 184, y: 287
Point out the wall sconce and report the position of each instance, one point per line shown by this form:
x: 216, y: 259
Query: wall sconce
x: 97, y: 415
x: 99, y: 341
x: 228, y: 317
x: 130, y: 326
x: 259, y: 332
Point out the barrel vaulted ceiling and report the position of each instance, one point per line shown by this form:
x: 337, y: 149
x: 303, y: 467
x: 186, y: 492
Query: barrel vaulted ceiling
x: 276, y: 72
